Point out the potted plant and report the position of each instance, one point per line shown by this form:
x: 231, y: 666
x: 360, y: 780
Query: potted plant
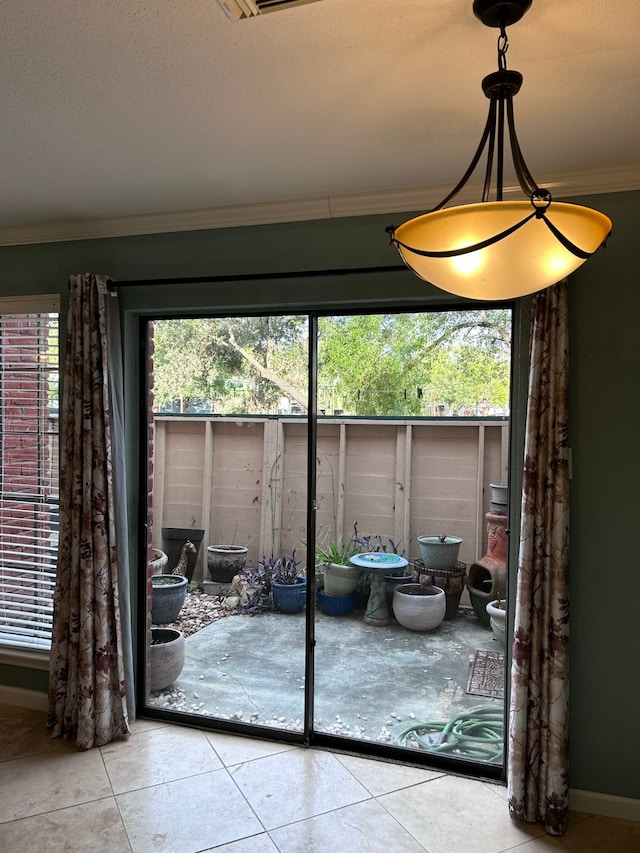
x: 340, y: 577
x: 168, y: 593
x: 288, y: 583
x: 419, y: 608
x: 497, y: 611
x: 166, y: 657
x: 439, y: 552
x: 253, y: 588
x: 225, y: 561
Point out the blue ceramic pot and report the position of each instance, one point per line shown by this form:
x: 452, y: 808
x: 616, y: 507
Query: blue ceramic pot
x: 289, y: 597
x: 168, y: 593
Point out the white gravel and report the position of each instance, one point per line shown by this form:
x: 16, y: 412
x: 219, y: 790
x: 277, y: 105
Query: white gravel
x: 200, y: 610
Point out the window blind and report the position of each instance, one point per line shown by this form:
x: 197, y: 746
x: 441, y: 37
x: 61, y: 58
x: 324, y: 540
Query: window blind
x: 29, y: 476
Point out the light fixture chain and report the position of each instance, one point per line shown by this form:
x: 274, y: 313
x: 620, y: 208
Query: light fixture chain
x: 503, y: 47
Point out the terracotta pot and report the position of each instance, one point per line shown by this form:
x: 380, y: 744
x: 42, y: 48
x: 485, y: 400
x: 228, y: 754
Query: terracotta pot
x: 452, y: 581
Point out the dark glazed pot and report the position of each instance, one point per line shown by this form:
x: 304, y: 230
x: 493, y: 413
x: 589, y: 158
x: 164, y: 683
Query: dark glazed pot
x: 225, y: 561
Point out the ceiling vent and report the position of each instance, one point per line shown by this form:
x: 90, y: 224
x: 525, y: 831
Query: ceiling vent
x: 241, y: 9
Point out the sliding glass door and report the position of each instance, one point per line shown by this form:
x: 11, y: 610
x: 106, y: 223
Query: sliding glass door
x: 300, y: 469
x: 228, y: 510
x: 412, y: 432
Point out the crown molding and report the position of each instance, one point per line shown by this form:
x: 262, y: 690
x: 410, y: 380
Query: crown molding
x: 300, y: 210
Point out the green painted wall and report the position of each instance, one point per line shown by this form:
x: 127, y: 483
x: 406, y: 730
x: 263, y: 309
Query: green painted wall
x: 25, y: 679
x: 605, y: 578
x: 605, y: 410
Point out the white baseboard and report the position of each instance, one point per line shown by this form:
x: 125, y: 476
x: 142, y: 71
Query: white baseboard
x: 23, y: 698
x: 623, y: 808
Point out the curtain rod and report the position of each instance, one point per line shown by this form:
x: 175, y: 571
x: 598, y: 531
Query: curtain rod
x: 113, y: 284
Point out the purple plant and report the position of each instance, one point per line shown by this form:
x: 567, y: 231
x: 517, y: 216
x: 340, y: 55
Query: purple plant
x: 375, y: 542
x: 282, y: 569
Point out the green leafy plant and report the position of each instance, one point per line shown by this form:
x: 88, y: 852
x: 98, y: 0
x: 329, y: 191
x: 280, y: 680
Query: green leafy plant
x: 336, y: 552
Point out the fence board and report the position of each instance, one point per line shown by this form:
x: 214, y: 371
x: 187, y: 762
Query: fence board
x: 245, y: 480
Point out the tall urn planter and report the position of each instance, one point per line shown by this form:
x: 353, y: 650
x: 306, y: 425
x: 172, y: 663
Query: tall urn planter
x: 173, y: 539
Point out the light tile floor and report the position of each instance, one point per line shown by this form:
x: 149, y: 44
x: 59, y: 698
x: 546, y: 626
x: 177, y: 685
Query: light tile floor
x: 169, y: 788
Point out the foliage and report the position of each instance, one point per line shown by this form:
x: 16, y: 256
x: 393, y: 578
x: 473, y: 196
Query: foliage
x: 283, y: 569
x: 237, y: 365
x: 335, y: 551
x: 339, y: 553
x: 370, y: 544
x: 165, y: 580
x: 402, y: 364
x: 253, y: 586
x: 409, y: 364
x: 181, y: 371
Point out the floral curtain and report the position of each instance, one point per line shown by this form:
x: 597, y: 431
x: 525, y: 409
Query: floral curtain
x: 87, y: 684
x: 538, y: 732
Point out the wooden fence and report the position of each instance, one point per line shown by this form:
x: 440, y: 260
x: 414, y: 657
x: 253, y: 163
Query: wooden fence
x: 244, y: 480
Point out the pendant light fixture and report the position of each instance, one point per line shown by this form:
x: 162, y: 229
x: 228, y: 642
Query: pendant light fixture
x: 499, y: 249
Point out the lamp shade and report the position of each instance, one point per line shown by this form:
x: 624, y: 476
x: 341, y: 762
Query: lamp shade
x: 522, y: 262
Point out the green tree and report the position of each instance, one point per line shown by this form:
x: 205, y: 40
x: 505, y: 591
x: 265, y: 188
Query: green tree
x: 404, y: 364
x: 214, y: 358
x: 371, y: 364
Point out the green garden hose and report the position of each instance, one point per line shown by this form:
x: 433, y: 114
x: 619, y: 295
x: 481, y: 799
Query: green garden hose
x: 477, y: 733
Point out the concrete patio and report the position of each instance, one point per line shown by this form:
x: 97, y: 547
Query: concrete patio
x: 371, y: 682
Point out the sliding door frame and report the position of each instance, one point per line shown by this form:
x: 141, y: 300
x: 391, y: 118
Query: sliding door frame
x: 309, y: 736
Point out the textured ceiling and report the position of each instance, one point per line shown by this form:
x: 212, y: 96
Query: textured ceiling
x: 131, y: 108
